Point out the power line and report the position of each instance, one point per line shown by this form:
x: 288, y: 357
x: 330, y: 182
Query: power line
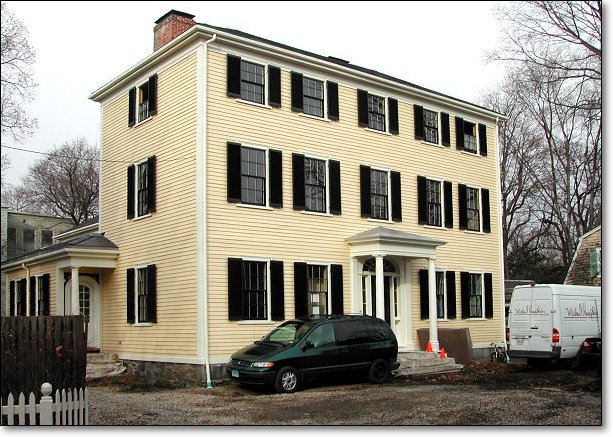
x: 88, y: 159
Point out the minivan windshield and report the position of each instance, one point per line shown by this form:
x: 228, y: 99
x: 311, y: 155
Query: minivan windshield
x: 287, y: 333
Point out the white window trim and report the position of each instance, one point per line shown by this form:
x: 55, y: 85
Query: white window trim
x: 269, y: 319
x: 264, y: 64
x: 388, y: 170
x: 325, y: 102
x: 482, y: 274
x: 472, y: 121
x: 136, y: 269
x: 266, y: 149
x: 439, y: 130
x: 136, y: 164
x: 328, y: 265
x: 386, y: 98
x: 480, y: 190
x: 442, y: 193
x: 327, y: 161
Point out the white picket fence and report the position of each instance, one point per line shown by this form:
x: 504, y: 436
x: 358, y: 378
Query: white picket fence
x: 69, y: 408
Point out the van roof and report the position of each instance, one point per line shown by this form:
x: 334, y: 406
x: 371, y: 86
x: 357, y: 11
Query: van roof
x: 567, y: 289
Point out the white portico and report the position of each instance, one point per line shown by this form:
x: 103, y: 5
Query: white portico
x: 381, y: 279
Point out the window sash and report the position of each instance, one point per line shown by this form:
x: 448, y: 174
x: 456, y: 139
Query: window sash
x: 317, y: 289
x: 253, y: 176
x: 376, y: 112
x: 313, y: 97
x: 315, y: 185
x: 255, y: 290
x: 141, y: 292
x: 470, y: 137
x: 440, y: 295
x: 141, y: 190
x: 252, y: 82
x: 430, y: 126
x: 433, y: 202
x: 143, y: 102
x: 472, y: 209
x: 475, y: 295
x: 379, y: 194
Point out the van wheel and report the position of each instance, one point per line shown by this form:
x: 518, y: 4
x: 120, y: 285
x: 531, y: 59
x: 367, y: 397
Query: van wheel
x: 287, y: 380
x: 379, y: 371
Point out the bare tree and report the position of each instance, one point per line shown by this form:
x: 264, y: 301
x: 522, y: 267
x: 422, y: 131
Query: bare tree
x: 65, y: 182
x: 17, y: 58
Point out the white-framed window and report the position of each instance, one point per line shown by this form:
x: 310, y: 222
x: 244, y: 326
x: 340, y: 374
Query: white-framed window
x: 318, y: 289
x: 380, y: 184
x: 434, y: 202
x: 471, y: 137
x: 255, y: 289
x: 431, y: 126
x: 313, y: 95
x: 143, y: 98
x: 473, y: 209
x: 253, y: 82
x: 141, y: 295
x: 40, y: 299
x: 142, y: 284
x: 595, y: 262
x: 441, y: 295
x: 142, y: 207
x: 376, y: 113
x: 254, y: 174
x: 316, y: 187
x: 46, y: 237
x: 476, y: 299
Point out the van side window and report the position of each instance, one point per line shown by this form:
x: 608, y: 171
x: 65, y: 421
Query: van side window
x: 323, y: 336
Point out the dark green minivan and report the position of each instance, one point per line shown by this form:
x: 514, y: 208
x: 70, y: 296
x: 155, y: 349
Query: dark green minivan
x: 312, y: 347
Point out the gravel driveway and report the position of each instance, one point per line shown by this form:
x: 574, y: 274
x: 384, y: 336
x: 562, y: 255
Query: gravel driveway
x: 483, y: 394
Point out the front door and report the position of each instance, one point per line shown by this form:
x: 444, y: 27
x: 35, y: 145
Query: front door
x: 390, y: 297
x: 89, y: 307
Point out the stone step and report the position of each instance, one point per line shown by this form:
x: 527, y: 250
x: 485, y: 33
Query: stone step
x: 415, y: 355
x: 429, y: 362
x: 101, y: 357
x: 429, y: 370
x: 97, y: 371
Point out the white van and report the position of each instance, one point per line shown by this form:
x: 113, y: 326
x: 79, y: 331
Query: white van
x: 551, y: 322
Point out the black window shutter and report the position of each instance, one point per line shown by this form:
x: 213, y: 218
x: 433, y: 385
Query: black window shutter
x: 424, y: 303
x: 333, y: 113
x: 297, y: 92
x: 489, y: 295
x: 448, y: 204
x: 298, y: 180
x: 130, y: 194
x: 24, y: 296
x: 396, y: 197
x: 274, y: 86
x: 235, y: 289
x: 234, y: 172
x: 12, y: 298
x: 32, y: 296
x: 459, y: 133
x: 234, y: 76
x: 151, y: 184
x: 485, y: 212
x: 277, y: 290
x: 153, y: 94
x: 336, y: 274
x: 465, y: 294
x: 334, y: 167
x: 300, y: 290
x: 393, y: 113
x: 276, y: 178
x: 152, y: 293
x: 132, y: 107
x: 422, y: 206
x: 363, y: 109
x: 130, y: 295
x: 446, y: 137
x: 418, y: 118
x: 482, y: 140
x: 46, y: 295
x: 462, y: 206
x: 365, y: 191
x: 450, y: 278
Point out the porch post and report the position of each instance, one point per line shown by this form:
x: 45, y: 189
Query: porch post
x: 75, y: 290
x: 432, y: 304
x: 380, y: 286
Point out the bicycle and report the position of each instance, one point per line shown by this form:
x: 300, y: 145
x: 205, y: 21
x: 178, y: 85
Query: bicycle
x: 499, y: 354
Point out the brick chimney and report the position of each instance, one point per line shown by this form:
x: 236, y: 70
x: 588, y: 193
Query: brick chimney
x: 169, y: 26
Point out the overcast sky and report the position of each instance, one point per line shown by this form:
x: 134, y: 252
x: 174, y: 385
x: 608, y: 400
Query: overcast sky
x: 82, y: 45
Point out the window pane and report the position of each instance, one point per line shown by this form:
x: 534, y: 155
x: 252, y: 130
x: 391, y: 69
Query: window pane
x: 470, y: 137
x: 317, y: 285
x: 475, y: 300
x: 472, y: 209
x: 313, y: 97
x: 433, y: 202
x: 376, y: 112
x: 252, y: 82
x: 254, y: 290
x: 142, y: 295
x: 315, y: 184
x: 141, y: 184
x: 440, y: 295
x: 378, y: 194
x: 143, y: 102
x: 253, y: 176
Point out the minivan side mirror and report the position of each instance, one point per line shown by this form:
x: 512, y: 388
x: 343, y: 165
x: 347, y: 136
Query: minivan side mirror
x: 308, y: 345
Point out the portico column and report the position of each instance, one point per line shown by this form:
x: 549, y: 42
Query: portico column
x: 74, y: 279
x: 380, y: 284
x: 432, y: 304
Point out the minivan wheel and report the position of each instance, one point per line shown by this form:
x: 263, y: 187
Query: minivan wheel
x: 379, y: 371
x: 287, y: 380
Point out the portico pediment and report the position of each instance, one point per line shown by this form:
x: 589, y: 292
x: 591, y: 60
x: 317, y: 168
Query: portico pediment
x: 391, y: 242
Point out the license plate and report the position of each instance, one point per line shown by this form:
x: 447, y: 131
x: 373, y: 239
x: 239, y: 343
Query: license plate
x: 520, y: 341
x: 234, y: 373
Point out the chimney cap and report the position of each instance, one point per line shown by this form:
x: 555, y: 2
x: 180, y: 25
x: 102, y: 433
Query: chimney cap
x: 174, y: 12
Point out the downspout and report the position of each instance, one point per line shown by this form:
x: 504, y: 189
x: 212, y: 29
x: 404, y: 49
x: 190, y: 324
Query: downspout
x: 27, y: 269
x: 209, y: 383
x: 500, y: 224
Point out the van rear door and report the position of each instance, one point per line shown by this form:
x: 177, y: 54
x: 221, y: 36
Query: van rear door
x: 519, y: 320
x: 541, y: 324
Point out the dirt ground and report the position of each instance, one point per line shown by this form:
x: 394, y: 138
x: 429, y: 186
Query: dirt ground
x: 484, y: 393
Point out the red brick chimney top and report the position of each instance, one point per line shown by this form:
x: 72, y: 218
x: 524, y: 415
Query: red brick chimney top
x: 169, y: 26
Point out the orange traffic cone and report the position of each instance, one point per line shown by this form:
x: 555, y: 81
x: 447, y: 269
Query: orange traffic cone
x: 429, y: 347
x: 442, y: 353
